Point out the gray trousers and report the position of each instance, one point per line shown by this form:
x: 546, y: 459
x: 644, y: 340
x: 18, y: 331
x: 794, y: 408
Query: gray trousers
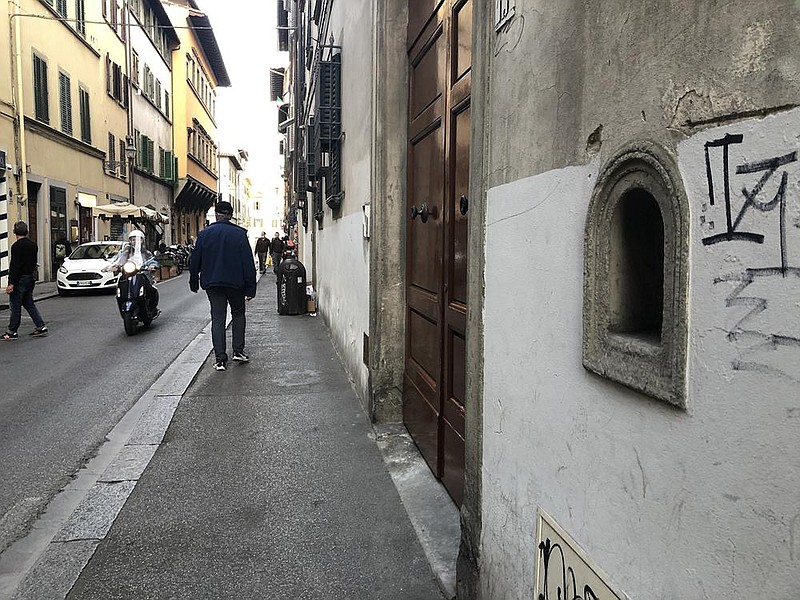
x: 220, y: 298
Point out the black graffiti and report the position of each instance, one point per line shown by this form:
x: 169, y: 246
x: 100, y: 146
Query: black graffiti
x: 756, y: 340
x: 568, y: 580
x: 751, y: 197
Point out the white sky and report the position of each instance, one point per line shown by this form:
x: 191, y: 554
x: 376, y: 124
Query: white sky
x: 246, y: 118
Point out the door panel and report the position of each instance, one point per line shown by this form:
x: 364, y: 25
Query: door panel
x: 427, y: 158
x: 440, y: 56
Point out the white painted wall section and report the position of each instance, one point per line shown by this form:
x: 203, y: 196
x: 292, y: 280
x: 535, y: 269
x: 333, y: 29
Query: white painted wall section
x: 701, y: 503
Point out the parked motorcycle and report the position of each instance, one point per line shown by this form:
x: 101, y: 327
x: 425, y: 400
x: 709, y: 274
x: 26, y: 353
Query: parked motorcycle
x: 137, y: 296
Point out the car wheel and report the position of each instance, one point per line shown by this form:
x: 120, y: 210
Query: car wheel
x: 63, y: 292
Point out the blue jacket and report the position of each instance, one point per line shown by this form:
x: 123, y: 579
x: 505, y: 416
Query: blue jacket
x: 222, y: 258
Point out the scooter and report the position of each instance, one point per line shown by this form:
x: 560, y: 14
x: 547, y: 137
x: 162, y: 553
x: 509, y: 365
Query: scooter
x: 137, y: 297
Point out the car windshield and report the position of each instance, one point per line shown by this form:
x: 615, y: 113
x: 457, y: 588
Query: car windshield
x: 95, y: 251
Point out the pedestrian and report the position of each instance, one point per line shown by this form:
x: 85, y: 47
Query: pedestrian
x: 276, y: 248
x: 262, y: 249
x: 21, y: 282
x: 61, y: 250
x: 222, y: 265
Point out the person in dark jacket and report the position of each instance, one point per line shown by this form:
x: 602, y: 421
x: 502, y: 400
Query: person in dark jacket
x: 262, y: 249
x: 276, y: 249
x: 21, y: 282
x: 223, y: 266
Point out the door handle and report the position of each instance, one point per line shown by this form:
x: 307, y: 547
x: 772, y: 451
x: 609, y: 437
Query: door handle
x: 423, y: 211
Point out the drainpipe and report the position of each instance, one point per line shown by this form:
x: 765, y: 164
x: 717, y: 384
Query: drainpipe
x: 130, y: 157
x: 19, y: 107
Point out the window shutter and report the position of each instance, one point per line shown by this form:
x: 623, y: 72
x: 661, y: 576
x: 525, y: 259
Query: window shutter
x: 150, y: 155
x: 112, y: 152
x: 86, y: 128
x: 65, y: 103
x: 41, y: 99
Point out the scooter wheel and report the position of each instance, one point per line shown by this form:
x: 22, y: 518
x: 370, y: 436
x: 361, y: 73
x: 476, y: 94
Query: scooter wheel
x: 130, y: 324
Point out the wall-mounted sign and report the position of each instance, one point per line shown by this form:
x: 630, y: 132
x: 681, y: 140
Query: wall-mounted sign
x: 503, y: 11
x: 564, y: 570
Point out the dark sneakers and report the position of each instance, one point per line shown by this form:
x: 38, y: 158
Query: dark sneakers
x: 241, y: 357
x: 220, y: 366
x: 40, y: 331
x: 9, y: 336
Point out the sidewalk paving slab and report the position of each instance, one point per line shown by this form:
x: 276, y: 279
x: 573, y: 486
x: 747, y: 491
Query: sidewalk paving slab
x: 269, y: 484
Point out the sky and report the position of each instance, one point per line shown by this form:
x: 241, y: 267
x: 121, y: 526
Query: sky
x: 246, y: 118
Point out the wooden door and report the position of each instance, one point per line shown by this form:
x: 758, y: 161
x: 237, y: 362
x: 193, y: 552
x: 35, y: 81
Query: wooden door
x: 439, y: 48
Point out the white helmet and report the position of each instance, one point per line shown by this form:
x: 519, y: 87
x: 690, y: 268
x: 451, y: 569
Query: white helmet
x: 136, y: 234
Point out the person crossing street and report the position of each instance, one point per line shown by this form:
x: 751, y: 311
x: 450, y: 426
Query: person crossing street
x: 21, y: 281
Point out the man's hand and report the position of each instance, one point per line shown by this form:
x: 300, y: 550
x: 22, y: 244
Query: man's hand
x: 194, y: 286
x: 9, y: 288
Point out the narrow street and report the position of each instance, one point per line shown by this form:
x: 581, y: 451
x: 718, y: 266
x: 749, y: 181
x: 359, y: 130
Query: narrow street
x: 63, y: 393
x: 268, y: 481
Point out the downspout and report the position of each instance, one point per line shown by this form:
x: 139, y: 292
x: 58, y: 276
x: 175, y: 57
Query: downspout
x: 129, y: 93
x: 19, y: 106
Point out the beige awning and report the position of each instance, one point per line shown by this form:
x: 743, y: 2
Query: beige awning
x: 126, y: 209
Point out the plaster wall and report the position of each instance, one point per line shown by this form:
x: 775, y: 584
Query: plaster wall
x: 341, y: 276
x: 341, y: 283
x: 670, y: 503
x: 561, y: 71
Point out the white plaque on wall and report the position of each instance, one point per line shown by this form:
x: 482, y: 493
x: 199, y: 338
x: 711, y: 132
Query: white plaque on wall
x: 563, y: 569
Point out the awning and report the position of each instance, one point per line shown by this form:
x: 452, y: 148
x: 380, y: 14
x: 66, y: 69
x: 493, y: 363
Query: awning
x: 126, y: 209
x: 87, y: 200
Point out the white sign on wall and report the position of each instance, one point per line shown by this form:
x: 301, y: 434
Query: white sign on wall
x: 503, y: 11
x: 564, y: 570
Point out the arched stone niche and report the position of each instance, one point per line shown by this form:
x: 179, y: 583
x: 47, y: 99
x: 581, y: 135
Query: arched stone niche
x: 636, y: 251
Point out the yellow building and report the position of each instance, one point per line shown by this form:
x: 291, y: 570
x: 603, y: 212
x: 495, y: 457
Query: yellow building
x: 63, y: 119
x: 197, y: 70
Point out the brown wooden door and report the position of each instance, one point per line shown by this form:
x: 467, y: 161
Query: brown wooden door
x: 439, y: 48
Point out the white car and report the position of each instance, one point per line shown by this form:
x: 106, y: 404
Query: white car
x: 83, y: 269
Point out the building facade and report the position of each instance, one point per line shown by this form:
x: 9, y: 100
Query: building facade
x: 231, y: 184
x: 63, y: 102
x: 582, y: 227
x: 153, y: 42
x: 87, y: 120
x: 197, y: 70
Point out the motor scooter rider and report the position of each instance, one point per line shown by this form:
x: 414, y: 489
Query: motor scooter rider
x: 135, y: 252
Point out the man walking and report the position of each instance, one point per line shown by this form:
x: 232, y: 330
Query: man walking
x: 21, y: 283
x: 222, y: 265
x: 262, y: 249
x: 276, y: 249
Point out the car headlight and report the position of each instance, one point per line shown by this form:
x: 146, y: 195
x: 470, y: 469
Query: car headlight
x: 63, y: 270
x: 129, y: 268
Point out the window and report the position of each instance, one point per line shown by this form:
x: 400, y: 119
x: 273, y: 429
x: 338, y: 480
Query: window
x: 157, y: 95
x: 61, y: 7
x: 135, y: 68
x: 166, y: 104
x: 112, y: 153
x: 636, y: 275
x: 40, y: 97
x: 123, y: 160
x: 86, y: 127
x: 80, y: 17
x: 65, y: 102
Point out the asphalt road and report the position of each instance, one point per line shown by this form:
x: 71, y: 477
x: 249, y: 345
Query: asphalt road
x: 60, y: 395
